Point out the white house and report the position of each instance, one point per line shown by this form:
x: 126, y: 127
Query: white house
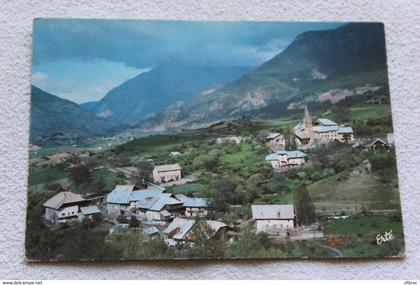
x: 283, y: 159
x: 275, y: 141
x: 63, y: 207
x: 166, y: 173
x: 277, y: 220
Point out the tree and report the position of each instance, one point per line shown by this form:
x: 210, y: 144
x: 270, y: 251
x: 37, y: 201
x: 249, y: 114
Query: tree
x: 221, y: 192
x: 79, y: 174
x: 305, y: 209
x: 145, y: 171
x: 134, y: 222
x: 205, y: 244
x: 289, y: 137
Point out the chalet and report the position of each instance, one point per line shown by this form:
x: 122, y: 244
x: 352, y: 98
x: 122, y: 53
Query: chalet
x: 193, y: 206
x: 307, y: 135
x: 63, y: 207
x: 278, y: 220
x: 166, y: 173
x: 283, y: 159
x: 179, y: 230
x: 275, y: 141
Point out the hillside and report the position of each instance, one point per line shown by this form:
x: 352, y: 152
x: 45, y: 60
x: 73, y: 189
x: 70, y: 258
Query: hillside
x: 54, y: 118
x: 318, y: 66
x: 165, y: 86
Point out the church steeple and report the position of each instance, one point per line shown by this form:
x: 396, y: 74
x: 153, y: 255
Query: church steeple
x: 307, y: 120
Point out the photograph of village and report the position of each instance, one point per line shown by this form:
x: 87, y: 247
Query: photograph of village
x: 210, y: 140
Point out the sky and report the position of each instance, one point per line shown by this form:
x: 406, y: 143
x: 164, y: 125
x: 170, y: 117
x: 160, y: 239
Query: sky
x: 81, y: 60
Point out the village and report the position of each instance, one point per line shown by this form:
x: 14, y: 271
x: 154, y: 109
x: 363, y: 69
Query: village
x: 146, y: 205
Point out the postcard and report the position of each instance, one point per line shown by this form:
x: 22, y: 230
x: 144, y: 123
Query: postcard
x: 156, y: 139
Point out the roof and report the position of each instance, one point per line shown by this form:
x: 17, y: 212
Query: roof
x: 194, y: 202
x: 378, y: 141
x: 273, y: 212
x: 123, y: 194
x: 326, y: 122
x: 179, y: 228
x: 89, y: 210
x: 345, y: 130
x: 120, y: 195
x: 271, y: 136
x: 216, y: 225
x: 272, y: 156
x: 62, y: 198
x: 289, y: 153
x: 158, y: 202
x: 151, y: 230
x: 325, y: 129
x: 295, y: 154
x: 167, y: 167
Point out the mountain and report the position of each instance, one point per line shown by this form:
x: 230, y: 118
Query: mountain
x: 318, y: 66
x: 92, y: 105
x: 163, y: 87
x: 54, y: 118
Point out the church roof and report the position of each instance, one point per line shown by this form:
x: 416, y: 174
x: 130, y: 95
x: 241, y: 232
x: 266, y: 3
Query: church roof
x: 326, y: 122
x: 272, y: 135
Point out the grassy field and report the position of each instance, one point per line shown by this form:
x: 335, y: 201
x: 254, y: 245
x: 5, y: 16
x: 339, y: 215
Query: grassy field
x: 366, y: 112
x: 186, y: 188
x: 109, y: 177
x: 246, y: 156
x: 362, y: 225
x: 46, y: 176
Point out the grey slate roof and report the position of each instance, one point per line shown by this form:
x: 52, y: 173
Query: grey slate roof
x: 273, y: 212
x: 89, y: 210
x: 151, y: 230
x: 63, y: 198
x: 326, y: 122
x: 183, y: 226
x: 124, y: 194
x: 345, y: 130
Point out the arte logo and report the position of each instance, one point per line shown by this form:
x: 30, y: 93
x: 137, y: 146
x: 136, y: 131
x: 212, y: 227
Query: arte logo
x: 386, y: 237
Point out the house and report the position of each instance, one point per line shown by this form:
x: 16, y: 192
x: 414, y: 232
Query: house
x: 277, y: 220
x: 378, y: 144
x: 63, y: 207
x: 174, y: 154
x: 166, y: 173
x: 230, y: 139
x: 156, y: 209
x: 180, y: 230
x: 284, y: 159
x: 151, y: 231
x: 193, y: 206
x: 307, y: 135
x: 275, y: 141
x: 124, y: 198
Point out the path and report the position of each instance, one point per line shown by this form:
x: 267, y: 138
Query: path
x: 332, y: 252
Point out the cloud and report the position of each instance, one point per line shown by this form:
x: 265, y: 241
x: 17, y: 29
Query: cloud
x: 38, y: 77
x: 148, y: 43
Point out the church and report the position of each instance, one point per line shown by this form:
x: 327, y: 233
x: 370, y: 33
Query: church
x: 308, y: 135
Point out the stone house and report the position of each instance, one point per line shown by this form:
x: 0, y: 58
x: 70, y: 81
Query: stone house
x: 166, y: 173
x: 275, y: 220
x: 275, y: 141
x: 283, y: 159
